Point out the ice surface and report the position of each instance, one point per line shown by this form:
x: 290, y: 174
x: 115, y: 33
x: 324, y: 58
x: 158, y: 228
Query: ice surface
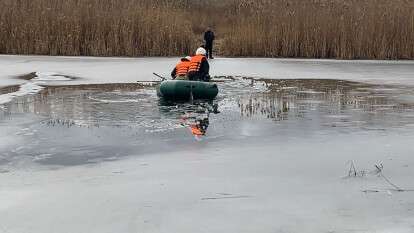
x: 289, y: 187
x: 262, y: 170
x: 121, y: 70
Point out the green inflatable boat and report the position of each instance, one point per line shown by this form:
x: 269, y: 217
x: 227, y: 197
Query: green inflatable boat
x: 183, y: 89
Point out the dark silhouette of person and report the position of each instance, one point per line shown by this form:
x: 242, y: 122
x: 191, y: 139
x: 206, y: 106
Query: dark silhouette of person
x: 209, y: 39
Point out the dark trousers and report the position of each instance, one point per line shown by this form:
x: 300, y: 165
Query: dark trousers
x: 209, y: 49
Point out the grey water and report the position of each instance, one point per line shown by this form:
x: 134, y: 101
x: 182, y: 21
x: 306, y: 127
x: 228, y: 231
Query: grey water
x: 81, y: 124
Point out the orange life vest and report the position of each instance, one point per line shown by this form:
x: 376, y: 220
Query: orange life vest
x: 182, y: 68
x: 195, y: 63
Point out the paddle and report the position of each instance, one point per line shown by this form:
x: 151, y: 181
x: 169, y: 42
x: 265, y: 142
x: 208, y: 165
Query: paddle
x: 159, y: 76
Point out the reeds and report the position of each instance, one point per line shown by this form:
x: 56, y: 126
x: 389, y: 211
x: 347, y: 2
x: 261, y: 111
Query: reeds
x: 93, y: 28
x: 346, y: 29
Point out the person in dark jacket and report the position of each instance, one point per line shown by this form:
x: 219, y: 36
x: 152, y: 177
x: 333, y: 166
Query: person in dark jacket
x: 199, y: 67
x: 209, y: 39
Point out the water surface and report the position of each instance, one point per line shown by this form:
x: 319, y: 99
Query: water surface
x: 78, y: 124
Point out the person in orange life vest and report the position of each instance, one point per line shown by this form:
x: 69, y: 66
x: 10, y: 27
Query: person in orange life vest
x: 180, y: 71
x: 199, y: 67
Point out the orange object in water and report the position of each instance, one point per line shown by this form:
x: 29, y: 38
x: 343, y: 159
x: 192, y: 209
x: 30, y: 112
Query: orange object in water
x: 196, y: 130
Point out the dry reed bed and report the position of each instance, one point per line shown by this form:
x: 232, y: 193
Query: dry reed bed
x: 92, y: 27
x: 348, y: 29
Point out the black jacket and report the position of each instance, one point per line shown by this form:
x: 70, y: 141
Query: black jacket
x: 209, y: 37
x: 174, y: 73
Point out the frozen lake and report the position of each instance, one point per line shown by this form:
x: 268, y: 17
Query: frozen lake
x: 80, y: 153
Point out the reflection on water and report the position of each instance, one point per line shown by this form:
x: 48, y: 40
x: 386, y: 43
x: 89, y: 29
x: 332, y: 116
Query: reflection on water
x: 329, y: 101
x: 9, y: 89
x: 80, y: 124
x: 193, y: 115
x: 197, y: 124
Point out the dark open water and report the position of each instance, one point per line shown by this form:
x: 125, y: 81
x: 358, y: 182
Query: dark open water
x: 72, y: 125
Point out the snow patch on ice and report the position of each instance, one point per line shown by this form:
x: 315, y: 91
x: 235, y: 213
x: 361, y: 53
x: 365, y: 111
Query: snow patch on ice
x: 50, y: 76
x: 34, y: 85
x: 46, y: 73
x: 25, y: 89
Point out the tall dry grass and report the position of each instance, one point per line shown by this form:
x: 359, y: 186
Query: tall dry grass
x: 348, y: 29
x: 374, y: 29
x: 93, y: 28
